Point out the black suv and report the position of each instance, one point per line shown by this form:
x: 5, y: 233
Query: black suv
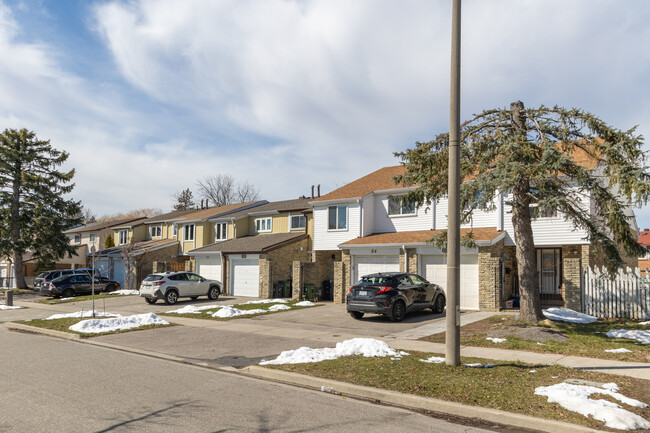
x: 394, y: 294
x: 44, y: 278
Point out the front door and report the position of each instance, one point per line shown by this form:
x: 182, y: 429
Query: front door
x: 549, y: 273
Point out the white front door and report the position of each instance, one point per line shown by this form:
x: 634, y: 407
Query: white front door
x: 210, y: 269
x: 245, y: 277
x: 364, y: 265
x: 434, y: 268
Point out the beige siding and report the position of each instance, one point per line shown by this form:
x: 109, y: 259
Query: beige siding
x: 242, y: 227
x: 141, y: 233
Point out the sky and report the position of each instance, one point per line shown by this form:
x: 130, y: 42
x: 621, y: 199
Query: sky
x: 149, y: 96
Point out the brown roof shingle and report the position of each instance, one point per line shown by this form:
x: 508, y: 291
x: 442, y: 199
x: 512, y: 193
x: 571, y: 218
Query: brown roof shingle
x: 104, y: 225
x: 420, y: 236
x: 379, y: 180
x: 216, y: 211
x: 299, y: 204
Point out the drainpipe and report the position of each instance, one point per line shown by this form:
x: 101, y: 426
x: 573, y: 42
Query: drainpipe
x: 406, y: 259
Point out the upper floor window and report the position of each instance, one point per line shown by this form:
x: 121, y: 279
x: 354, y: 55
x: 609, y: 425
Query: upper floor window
x: 263, y: 224
x: 188, y: 232
x: 400, y: 206
x: 77, y: 239
x: 155, y: 231
x: 91, y: 238
x: 174, y: 230
x: 297, y: 222
x: 123, y: 237
x: 221, y: 231
x: 337, y: 217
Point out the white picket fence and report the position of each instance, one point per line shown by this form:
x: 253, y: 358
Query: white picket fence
x: 626, y: 296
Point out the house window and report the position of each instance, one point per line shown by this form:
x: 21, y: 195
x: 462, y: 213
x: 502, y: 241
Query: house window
x: 123, y: 237
x: 221, y: 231
x: 537, y: 212
x: 263, y: 224
x: 174, y: 230
x: 91, y: 238
x: 155, y: 231
x: 188, y: 232
x: 297, y: 222
x: 77, y: 239
x: 400, y: 206
x: 338, y: 218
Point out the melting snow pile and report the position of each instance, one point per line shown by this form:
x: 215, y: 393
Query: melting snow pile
x: 304, y: 304
x: 621, y: 350
x: 124, y: 292
x: 642, y: 336
x: 576, y: 398
x: 13, y: 307
x: 644, y: 323
x: 279, y: 307
x: 479, y: 365
x: 266, y: 301
x: 496, y: 340
x: 96, y: 326
x: 434, y: 360
x: 234, y: 312
x: 567, y: 315
x: 85, y: 313
x: 368, y: 347
x: 193, y: 309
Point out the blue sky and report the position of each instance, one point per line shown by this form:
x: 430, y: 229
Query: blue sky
x: 148, y: 96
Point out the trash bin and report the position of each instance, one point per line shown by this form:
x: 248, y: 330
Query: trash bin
x: 286, y: 289
x: 327, y: 290
x: 309, y: 291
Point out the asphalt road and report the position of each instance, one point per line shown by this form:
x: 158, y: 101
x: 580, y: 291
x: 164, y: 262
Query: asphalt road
x: 56, y: 385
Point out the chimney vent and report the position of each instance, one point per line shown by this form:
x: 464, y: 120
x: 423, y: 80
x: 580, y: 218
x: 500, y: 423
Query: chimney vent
x: 318, y: 190
x: 312, y: 191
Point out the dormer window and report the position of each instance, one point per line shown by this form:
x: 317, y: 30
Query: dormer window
x: 155, y: 231
x: 188, y: 232
x: 123, y: 237
x: 337, y: 217
x: 297, y: 222
x: 263, y: 224
x: 400, y: 206
x: 221, y: 231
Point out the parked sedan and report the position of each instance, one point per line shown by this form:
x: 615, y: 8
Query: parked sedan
x: 68, y: 286
x: 173, y: 285
x: 394, y: 294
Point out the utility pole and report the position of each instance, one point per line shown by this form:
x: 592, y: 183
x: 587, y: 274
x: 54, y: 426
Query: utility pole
x: 453, y: 230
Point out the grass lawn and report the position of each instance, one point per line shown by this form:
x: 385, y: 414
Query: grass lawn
x: 207, y: 314
x: 64, y: 326
x: 508, y: 386
x: 588, y: 340
x: 17, y: 291
x: 101, y: 295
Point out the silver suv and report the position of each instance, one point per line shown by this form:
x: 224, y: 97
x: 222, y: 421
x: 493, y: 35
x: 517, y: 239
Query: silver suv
x: 173, y: 285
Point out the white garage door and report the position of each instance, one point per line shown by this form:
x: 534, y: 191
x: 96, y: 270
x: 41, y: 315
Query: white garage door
x: 364, y: 265
x: 245, y: 277
x: 210, y: 269
x: 435, y: 270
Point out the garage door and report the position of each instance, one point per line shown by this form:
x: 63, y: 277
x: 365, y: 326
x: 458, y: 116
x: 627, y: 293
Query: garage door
x: 210, y: 269
x: 245, y: 277
x: 435, y: 270
x: 111, y: 268
x: 364, y: 265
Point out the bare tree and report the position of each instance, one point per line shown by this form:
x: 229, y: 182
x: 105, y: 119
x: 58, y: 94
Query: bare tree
x: 136, y: 213
x: 223, y: 189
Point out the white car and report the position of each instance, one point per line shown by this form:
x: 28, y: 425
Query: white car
x: 173, y: 285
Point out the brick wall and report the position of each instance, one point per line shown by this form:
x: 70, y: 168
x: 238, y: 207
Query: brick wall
x: 412, y: 255
x: 489, y: 289
x: 280, y: 264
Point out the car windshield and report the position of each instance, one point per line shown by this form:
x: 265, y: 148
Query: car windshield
x: 42, y: 274
x: 153, y: 278
x: 370, y: 279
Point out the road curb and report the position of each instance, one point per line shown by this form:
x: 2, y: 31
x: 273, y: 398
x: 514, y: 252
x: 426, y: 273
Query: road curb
x: 414, y: 401
x: 21, y: 327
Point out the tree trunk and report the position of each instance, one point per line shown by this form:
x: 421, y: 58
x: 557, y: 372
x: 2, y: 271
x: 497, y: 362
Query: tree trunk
x: 19, y: 275
x: 530, y: 305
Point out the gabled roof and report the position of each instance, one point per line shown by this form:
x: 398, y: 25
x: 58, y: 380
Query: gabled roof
x: 138, y: 247
x: 167, y: 217
x: 215, y: 211
x: 485, y: 235
x: 644, y: 238
x: 380, y: 180
x: 297, y: 205
x: 251, y: 244
x: 104, y: 225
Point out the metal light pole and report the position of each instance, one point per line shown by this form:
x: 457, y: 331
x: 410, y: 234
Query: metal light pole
x: 92, y: 252
x: 453, y: 230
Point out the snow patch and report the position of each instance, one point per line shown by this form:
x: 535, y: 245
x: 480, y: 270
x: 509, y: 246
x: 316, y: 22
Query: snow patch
x: 621, y: 350
x: 266, y: 301
x: 227, y: 311
x: 66, y: 299
x: 12, y: 307
x: 434, y: 360
x: 304, y: 304
x: 193, y: 309
x: 279, y: 307
x: 368, y: 347
x: 568, y: 315
x: 533, y: 371
x: 85, y: 313
x: 496, y: 340
x: 644, y: 323
x: 124, y: 292
x: 641, y: 336
x: 576, y: 398
x: 478, y: 365
x: 96, y: 326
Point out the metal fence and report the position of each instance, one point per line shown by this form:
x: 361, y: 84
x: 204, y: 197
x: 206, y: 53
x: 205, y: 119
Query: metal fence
x: 625, y: 295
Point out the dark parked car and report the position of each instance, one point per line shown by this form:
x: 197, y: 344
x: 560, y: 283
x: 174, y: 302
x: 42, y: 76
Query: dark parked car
x: 68, y: 286
x: 394, y: 294
x: 44, y: 278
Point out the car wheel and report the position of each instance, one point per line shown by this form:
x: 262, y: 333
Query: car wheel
x: 194, y: 298
x: 150, y: 300
x: 398, y: 312
x: 110, y: 288
x: 356, y: 314
x: 171, y: 297
x: 214, y: 293
x: 67, y: 293
x: 438, y: 305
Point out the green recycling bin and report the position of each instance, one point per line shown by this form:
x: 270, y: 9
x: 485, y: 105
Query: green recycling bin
x: 286, y: 289
x: 309, y: 291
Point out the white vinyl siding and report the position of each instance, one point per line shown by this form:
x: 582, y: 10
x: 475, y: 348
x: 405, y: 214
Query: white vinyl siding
x: 329, y: 240
x: 368, y: 206
x: 480, y: 218
x: 385, y: 223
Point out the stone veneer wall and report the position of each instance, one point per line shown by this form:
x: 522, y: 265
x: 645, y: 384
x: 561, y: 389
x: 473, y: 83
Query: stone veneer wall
x: 489, y: 288
x: 341, y: 277
x: 572, y: 256
x: 277, y: 265
x: 412, y: 255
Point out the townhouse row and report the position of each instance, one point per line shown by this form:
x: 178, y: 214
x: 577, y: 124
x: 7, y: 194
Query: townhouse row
x: 328, y: 242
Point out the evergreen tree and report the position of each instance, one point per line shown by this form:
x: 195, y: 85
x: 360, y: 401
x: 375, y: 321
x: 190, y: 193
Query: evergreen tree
x: 529, y: 153
x: 33, y: 212
x: 184, y: 200
x: 109, y: 242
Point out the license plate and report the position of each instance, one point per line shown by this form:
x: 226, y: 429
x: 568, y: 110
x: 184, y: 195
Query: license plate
x: 363, y: 293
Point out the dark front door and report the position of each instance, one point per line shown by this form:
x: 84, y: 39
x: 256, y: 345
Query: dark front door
x: 549, y: 273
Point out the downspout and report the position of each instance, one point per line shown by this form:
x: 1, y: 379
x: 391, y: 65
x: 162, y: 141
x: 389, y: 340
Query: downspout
x: 406, y: 259
x: 360, y: 218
